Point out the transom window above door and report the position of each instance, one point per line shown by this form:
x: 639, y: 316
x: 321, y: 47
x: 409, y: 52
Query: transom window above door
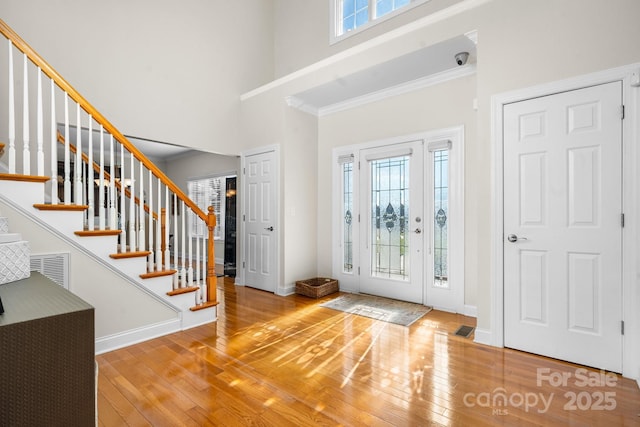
x: 350, y: 16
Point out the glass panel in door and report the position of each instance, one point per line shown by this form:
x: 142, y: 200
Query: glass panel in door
x: 392, y: 197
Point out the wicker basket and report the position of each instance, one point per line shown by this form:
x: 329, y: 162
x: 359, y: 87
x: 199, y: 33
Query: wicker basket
x: 316, y: 287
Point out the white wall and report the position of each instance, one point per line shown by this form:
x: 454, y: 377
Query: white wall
x: 158, y: 69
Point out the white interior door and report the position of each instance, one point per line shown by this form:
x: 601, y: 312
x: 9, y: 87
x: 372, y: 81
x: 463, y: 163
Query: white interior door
x: 562, y: 226
x: 392, y: 223
x: 260, y: 221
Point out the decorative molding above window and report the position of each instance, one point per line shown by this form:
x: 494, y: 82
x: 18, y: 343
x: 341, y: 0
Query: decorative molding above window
x: 349, y: 17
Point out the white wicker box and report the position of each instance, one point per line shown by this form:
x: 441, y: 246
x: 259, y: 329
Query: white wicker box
x: 14, y: 261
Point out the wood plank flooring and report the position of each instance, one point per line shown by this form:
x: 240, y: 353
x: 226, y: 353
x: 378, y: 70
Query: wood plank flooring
x: 285, y: 361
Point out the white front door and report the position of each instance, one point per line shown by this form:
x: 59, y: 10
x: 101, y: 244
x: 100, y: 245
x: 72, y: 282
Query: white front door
x: 260, y: 221
x: 392, y: 223
x: 562, y: 226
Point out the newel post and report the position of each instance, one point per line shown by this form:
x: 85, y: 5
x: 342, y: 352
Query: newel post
x: 211, y: 265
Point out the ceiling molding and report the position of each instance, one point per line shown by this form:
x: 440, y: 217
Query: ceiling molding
x: 379, y: 95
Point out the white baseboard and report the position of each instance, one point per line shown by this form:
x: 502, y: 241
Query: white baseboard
x: 470, y: 311
x: 134, y: 336
x: 482, y: 336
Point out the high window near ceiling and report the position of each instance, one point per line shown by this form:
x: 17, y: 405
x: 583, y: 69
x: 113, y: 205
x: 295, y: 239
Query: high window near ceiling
x: 349, y: 16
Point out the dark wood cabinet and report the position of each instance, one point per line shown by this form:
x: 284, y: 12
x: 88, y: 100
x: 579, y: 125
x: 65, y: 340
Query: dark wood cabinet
x: 47, y: 355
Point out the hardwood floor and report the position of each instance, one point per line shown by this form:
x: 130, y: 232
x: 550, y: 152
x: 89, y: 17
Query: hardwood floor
x: 285, y: 361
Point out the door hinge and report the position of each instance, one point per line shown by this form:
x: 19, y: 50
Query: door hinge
x: 358, y: 271
x: 622, y: 327
x: 243, y: 218
x: 622, y: 112
x: 242, y: 264
x: 358, y: 217
x: 244, y: 171
x: 622, y: 220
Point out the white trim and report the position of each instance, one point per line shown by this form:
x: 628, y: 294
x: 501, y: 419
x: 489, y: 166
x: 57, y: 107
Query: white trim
x: 470, y: 310
x: 425, y: 21
x: 483, y: 336
x: 407, y: 87
x: 135, y: 336
x: 240, y: 225
x: 630, y: 134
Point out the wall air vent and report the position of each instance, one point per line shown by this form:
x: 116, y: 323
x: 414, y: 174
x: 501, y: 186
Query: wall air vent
x: 54, y: 266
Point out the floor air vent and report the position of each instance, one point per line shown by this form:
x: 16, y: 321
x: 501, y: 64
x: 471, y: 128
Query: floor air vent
x: 464, y: 331
x: 53, y: 266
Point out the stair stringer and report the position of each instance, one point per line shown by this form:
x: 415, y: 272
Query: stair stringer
x: 99, y: 249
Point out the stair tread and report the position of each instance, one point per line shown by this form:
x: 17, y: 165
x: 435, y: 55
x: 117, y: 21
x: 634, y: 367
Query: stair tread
x: 181, y: 291
x: 135, y: 254
x: 160, y: 273
x: 204, y: 305
x: 89, y: 233
x: 27, y: 178
x: 58, y: 207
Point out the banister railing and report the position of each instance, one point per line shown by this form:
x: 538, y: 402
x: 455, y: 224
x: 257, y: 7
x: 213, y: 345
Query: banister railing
x: 123, y: 190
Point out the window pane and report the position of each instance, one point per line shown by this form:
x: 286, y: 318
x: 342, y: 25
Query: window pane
x: 383, y: 7
x: 348, y: 8
x: 347, y: 209
x: 440, y: 215
x: 362, y: 17
x: 389, y: 213
x: 207, y: 192
x: 348, y: 23
x: 362, y: 4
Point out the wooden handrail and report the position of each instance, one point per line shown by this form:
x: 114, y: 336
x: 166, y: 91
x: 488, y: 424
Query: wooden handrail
x: 107, y: 176
x: 49, y: 71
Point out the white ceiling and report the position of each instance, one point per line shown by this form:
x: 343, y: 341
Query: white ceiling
x: 430, y: 61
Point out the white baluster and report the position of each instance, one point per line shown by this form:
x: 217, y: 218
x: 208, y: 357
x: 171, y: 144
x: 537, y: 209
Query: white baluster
x: 54, y: 147
x: 167, y: 251
x: 151, y: 228
x: 40, y: 131
x: 123, y: 205
x: 26, y: 153
x: 113, y: 225
x: 175, y: 240
x: 190, y: 254
x: 67, y: 151
x: 90, y: 180
x: 199, y: 236
x: 183, y: 270
x: 132, y: 209
x: 159, y: 229
x: 203, y: 293
x: 205, y: 258
x: 12, y: 115
x: 142, y: 238
x: 101, y: 204
x: 77, y: 170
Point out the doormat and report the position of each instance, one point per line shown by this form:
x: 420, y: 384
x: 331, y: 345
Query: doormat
x: 464, y: 331
x: 385, y: 309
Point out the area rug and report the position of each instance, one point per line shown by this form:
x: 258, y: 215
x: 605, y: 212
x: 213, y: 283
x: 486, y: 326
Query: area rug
x: 385, y: 309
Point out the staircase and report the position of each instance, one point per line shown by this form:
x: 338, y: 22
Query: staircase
x: 74, y: 174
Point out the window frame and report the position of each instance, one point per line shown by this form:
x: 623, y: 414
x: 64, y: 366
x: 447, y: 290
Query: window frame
x: 335, y: 18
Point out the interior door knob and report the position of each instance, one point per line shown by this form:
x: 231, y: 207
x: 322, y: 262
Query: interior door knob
x: 269, y: 228
x: 513, y: 238
x: 417, y: 231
